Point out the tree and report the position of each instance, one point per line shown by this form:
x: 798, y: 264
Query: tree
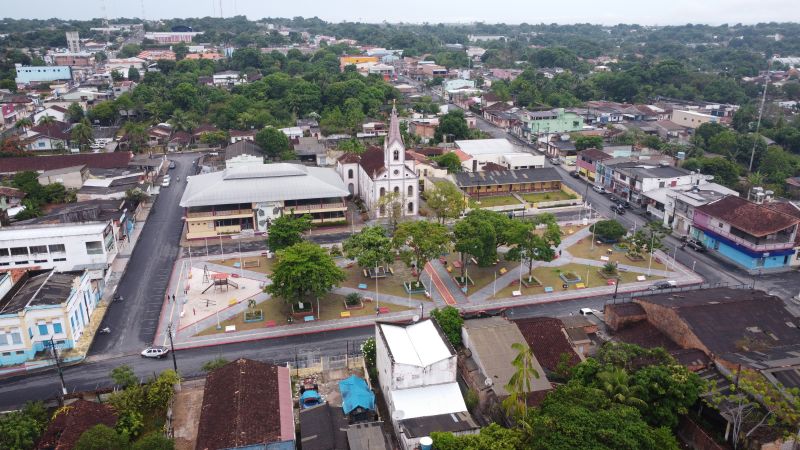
x: 75, y: 112
x: 609, y: 230
x: 478, y: 235
x: 584, y: 142
x: 519, y: 385
x: 46, y: 119
x: 136, y: 134
x: 452, y: 126
x: 23, y: 124
x: 19, y: 430
x: 530, y: 245
x: 647, y: 239
x: 213, y: 364
x: 133, y: 74
x: 82, y: 134
x: 370, y: 247
x: 352, y: 146
x: 450, y: 321
x: 117, y: 76
x: 725, y: 172
x: 124, y: 376
x: 423, y: 240
x: 492, y: 437
x: 129, y: 50
x: 273, y: 141
x: 161, y: 390
x: 449, y: 161
x: 101, y: 437
x: 154, y: 441
x: 181, y: 50
x: 304, y: 270
x: 616, y: 384
x: 391, y: 205
x: 214, y: 138
x: 287, y: 230
x: 446, y: 200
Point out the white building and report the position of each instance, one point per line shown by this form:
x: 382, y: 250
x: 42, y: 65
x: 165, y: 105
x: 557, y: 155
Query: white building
x: 122, y: 65
x: 46, y: 306
x: 417, y: 372
x: 692, y: 119
x: 71, y: 246
x: 475, y: 154
x: 229, y: 78
x: 379, y: 172
x: 675, y: 205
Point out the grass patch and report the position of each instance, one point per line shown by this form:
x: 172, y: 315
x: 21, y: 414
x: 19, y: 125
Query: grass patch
x: 390, y: 285
x: 482, y: 276
x: 536, y: 197
x: 549, y: 276
x: 494, y: 200
x: 264, y: 266
x: 278, y: 310
x: 583, y: 249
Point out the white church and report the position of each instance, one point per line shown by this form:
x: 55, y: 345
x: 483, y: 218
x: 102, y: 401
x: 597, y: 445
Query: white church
x: 379, y: 172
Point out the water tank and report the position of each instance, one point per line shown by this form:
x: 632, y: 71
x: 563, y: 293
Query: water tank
x: 426, y: 443
x: 681, y: 155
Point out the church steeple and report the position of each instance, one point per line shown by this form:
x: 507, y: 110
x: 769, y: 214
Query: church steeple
x: 394, y: 150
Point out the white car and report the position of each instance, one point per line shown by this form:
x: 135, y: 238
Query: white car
x: 586, y: 311
x: 599, y: 189
x: 155, y: 352
x: 165, y: 181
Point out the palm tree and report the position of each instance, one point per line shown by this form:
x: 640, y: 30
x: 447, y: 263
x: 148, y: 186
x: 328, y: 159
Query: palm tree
x: 82, y: 134
x: 755, y: 179
x: 23, y: 124
x: 181, y: 121
x: 615, y: 382
x: 137, y: 135
x: 46, y: 120
x: 519, y: 386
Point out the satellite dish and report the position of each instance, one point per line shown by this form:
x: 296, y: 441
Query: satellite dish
x: 488, y: 382
x: 415, y: 319
x: 398, y: 414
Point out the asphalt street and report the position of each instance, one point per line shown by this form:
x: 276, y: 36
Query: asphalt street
x: 133, y: 321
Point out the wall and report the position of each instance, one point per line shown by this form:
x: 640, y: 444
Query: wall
x: 691, y: 119
x: 73, y: 238
x: 38, y: 74
x: 743, y: 259
x: 668, y: 322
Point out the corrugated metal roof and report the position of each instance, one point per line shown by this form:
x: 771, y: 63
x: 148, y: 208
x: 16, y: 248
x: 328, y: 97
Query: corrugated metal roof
x: 262, y: 183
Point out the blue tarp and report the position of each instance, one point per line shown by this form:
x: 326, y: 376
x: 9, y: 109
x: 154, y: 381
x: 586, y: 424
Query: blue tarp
x: 355, y: 393
x: 309, y: 398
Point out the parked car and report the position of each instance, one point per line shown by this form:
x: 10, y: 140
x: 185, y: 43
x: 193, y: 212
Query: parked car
x: 586, y: 311
x: 618, y: 209
x: 172, y: 164
x: 696, y: 245
x: 599, y: 189
x: 165, y: 181
x: 625, y: 204
x: 155, y: 352
x: 555, y: 161
x: 668, y: 284
x: 575, y: 174
x: 614, y: 200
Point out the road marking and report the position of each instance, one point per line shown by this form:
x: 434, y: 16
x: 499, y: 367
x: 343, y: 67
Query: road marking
x: 437, y: 281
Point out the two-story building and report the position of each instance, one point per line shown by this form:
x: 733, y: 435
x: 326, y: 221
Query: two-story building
x: 631, y: 179
x: 417, y: 370
x: 45, y: 308
x: 586, y: 162
x: 754, y: 236
x: 477, y: 153
x: 674, y: 207
x: 41, y: 74
x: 537, y: 123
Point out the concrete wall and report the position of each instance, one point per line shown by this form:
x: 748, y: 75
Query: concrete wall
x: 668, y: 322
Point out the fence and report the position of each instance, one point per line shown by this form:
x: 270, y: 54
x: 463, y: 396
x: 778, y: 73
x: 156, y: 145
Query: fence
x: 629, y: 297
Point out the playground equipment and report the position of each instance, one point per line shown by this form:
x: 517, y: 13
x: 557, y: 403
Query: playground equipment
x: 218, y: 281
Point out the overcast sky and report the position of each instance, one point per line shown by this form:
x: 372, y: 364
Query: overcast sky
x: 646, y: 12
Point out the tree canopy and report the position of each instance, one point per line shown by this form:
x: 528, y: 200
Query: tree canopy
x: 370, y: 247
x: 287, y: 230
x: 304, y: 271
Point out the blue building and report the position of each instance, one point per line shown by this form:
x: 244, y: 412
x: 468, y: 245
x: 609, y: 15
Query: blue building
x: 754, y: 236
x: 42, y: 74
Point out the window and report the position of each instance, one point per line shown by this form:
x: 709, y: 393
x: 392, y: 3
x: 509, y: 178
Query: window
x: 3, y: 252
x: 661, y: 184
x: 42, y: 329
x: 20, y: 263
x: 38, y: 249
x: 3, y: 340
x: 411, y: 207
x: 94, y: 248
x: 397, y: 189
x: 57, y: 328
x: 350, y: 173
x: 396, y: 155
x: 396, y: 172
x: 57, y: 248
x: 383, y: 192
x: 410, y: 191
x: 16, y: 338
x: 19, y: 251
x: 30, y: 333
x: 59, y: 259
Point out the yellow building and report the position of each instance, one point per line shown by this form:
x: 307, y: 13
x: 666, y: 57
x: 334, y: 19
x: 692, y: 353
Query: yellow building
x: 347, y: 60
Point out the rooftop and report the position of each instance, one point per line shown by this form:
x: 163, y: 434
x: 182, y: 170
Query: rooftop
x: 418, y: 402
x: 262, y: 183
x: 755, y: 219
x: 490, y: 341
x: 423, y: 426
x: 243, y: 147
x: 67, y: 427
x: 464, y: 179
x: 322, y: 427
x: 38, y: 288
x: 309, y: 146
x: 487, y: 146
x: 594, y: 154
x: 419, y: 344
x: 42, y: 163
x: 366, y: 436
x: 245, y: 402
x: 548, y: 341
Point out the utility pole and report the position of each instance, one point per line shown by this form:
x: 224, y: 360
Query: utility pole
x: 58, y: 366
x: 172, y: 348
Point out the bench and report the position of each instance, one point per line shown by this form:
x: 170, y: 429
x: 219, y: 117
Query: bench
x: 548, y: 289
x: 503, y: 271
x: 516, y: 293
x: 580, y: 286
x: 641, y: 278
x: 308, y: 318
x: 384, y: 310
x: 362, y: 285
x: 611, y: 282
x: 391, y: 271
x: 474, y: 261
x: 366, y: 274
x: 457, y: 264
x: 269, y: 323
x: 344, y: 314
x: 252, y: 263
x: 230, y: 328
x: 604, y: 258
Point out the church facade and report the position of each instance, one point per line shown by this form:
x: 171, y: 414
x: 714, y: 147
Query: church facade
x: 383, y: 171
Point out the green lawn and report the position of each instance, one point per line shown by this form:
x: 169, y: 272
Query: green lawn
x: 481, y: 276
x: 494, y: 200
x: 583, y: 249
x: 278, y: 310
x: 265, y: 265
x: 391, y: 285
x: 537, y: 197
x: 549, y: 276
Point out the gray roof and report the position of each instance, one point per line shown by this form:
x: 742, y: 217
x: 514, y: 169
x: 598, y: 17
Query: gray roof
x: 660, y: 172
x: 309, y: 146
x: 262, y: 183
x: 243, y: 147
x: 45, y: 288
x: 507, y: 177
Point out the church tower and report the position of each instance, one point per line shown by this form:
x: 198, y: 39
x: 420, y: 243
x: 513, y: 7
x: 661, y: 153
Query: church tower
x: 394, y: 151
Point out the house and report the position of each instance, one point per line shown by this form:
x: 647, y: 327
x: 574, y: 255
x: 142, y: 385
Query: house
x: 48, y: 136
x: 10, y: 198
x: 358, y: 400
x: 246, y: 404
x: 558, y: 120
x: 348, y: 60
x: 478, y: 152
x: 732, y: 327
x: 41, y: 74
x: 63, y: 432
x: 631, y: 178
x: 122, y: 87
x: 202, y: 129
x: 755, y: 236
x: 171, y: 37
x: 378, y: 172
x: 675, y: 205
x: 159, y: 134
x: 692, y: 119
x: 586, y: 162
x: 292, y: 132
x: 417, y: 371
x: 490, y: 343
x: 243, y: 153
x: 428, y: 171
x: 157, y: 54
x: 74, y: 59
x: 506, y: 182
x: 120, y: 213
x: 58, y: 113
x: 548, y: 341
x: 310, y: 149
x: 560, y: 148
x: 246, y: 198
x: 70, y: 177
x: 793, y: 187
x: 229, y: 78
x: 111, y: 187
x: 242, y: 135
x: 499, y: 114
x: 179, y: 140
x: 322, y: 427
x: 122, y: 65
x: 46, y: 308
x: 13, y: 165
x: 366, y: 436
x: 423, y: 129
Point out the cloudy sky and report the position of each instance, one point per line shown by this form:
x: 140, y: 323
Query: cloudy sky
x: 509, y: 11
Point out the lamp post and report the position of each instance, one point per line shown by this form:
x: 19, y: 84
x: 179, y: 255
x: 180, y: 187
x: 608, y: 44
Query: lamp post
x: 172, y: 348
x: 58, y: 366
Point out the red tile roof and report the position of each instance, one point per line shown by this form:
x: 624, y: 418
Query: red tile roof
x: 372, y: 161
x: 461, y: 155
x: 545, y: 336
x: 595, y: 154
x: 6, y: 191
x: 55, y: 129
x: 66, y: 428
x: 755, y: 219
x: 245, y: 402
x: 42, y: 163
x: 349, y: 158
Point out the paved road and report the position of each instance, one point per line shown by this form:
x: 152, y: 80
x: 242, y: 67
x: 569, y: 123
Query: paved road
x: 133, y: 321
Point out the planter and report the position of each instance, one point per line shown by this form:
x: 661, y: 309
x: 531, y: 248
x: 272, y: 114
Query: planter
x: 359, y: 305
x: 414, y: 287
x: 570, y: 277
x: 530, y: 281
x: 298, y: 313
x: 462, y: 282
x: 608, y: 276
x: 254, y: 316
x: 636, y: 258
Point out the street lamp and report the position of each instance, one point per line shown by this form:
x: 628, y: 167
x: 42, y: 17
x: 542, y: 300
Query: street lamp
x: 172, y: 347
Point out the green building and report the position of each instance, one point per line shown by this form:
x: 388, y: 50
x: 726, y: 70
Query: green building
x: 555, y: 120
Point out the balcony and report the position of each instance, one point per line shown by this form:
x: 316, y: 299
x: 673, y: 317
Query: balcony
x: 315, y: 207
x: 748, y: 244
x: 223, y: 213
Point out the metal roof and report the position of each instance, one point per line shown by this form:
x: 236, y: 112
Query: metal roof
x: 507, y: 177
x: 419, y: 344
x: 262, y: 183
x: 487, y: 146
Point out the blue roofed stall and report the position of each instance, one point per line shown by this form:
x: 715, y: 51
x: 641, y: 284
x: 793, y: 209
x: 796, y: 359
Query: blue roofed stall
x: 358, y: 401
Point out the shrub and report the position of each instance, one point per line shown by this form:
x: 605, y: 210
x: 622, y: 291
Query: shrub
x: 353, y: 299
